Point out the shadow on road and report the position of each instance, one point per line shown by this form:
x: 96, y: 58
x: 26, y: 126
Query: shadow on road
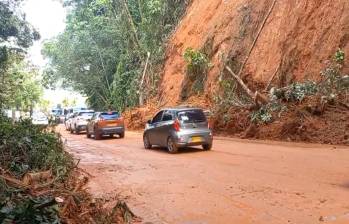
x: 180, y: 151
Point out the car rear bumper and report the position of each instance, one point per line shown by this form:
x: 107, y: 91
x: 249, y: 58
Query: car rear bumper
x: 112, y: 130
x: 81, y: 127
x: 193, y: 139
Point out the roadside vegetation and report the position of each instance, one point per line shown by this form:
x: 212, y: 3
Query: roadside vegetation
x: 104, y: 50
x: 198, y: 65
x: 39, y: 180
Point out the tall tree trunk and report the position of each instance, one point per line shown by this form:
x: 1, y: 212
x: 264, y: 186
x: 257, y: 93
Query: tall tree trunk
x: 132, y: 24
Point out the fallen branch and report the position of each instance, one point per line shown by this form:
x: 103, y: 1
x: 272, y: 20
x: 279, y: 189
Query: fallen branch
x: 13, y: 182
x: 257, y: 97
x: 272, y: 78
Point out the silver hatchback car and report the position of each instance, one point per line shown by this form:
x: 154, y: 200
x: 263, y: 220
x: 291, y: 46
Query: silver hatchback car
x: 175, y: 128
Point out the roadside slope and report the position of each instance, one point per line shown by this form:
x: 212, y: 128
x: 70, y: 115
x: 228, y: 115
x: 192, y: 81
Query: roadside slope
x: 298, y: 37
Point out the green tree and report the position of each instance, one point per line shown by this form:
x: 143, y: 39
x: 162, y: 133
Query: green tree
x: 103, y: 50
x: 16, y: 36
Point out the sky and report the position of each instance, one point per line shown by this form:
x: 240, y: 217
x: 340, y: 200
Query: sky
x: 48, y: 17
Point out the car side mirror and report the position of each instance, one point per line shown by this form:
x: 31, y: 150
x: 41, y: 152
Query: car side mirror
x: 149, y: 122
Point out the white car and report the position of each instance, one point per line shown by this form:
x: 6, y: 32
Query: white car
x: 68, y: 120
x: 39, y: 119
x: 79, y: 121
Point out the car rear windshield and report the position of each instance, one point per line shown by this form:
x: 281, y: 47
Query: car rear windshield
x: 191, y: 116
x: 110, y: 115
x: 86, y: 114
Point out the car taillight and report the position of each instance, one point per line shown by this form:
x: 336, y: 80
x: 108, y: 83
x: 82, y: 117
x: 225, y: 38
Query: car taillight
x: 176, y: 125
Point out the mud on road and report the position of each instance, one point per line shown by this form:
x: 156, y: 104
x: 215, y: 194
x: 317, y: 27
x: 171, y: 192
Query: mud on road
x: 237, y: 182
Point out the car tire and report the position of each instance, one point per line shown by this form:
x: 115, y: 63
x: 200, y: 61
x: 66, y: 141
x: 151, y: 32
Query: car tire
x: 122, y: 135
x: 146, y: 142
x: 207, y: 147
x: 97, y: 135
x: 171, y: 147
x: 77, y: 130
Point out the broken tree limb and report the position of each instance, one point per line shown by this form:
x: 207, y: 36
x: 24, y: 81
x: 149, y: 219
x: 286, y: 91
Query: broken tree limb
x: 141, y: 93
x: 13, y: 182
x: 33, y: 178
x: 272, y: 77
x: 257, y: 97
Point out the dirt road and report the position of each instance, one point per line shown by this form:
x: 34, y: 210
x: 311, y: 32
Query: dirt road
x: 237, y: 182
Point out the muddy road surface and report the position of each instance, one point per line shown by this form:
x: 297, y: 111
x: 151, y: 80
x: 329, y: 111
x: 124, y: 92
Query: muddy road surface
x: 239, y: 181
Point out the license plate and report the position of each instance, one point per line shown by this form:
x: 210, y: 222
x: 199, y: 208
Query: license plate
x: 196, y: 139
x: 111, y: 125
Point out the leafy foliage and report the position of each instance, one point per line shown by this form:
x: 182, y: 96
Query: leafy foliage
x: 333, y: 83
x: 197, y: 68
x: 16, y: 35
x: 26, y: 147
x: 296, y: 92
x: 197, y: 62
x: 103, y: 50
x: 26, y: 209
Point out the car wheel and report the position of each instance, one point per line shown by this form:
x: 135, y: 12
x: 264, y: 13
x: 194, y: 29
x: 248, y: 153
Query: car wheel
x: 207, y: 147
x: 146, y: 142
x: 122, y: 135
x: 171, y: 147
x: 97, y: 135
x: 77, y: 130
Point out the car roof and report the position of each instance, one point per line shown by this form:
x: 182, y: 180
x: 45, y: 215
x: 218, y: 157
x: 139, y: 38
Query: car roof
x: 182, y: 108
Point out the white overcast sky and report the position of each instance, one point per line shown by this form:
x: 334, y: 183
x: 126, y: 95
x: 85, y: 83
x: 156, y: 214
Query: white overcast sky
x: 48, y: 17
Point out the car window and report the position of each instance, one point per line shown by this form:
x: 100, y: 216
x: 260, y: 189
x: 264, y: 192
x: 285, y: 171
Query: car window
x: 167, y: 116
x: 191, y: 116
x: 157, y: 117
x: 86, y: 114
x: 110, y: 115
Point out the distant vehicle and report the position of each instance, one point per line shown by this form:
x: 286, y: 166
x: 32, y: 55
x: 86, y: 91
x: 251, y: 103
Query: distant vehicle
x: 79, y: 121
x: 175, y: 128
x: 68, y: 120
x: 105, y: 123
x: 39, y: 119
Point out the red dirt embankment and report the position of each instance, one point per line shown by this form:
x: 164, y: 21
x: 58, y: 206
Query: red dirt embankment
x: 298, y: 37
x: 294, y: 44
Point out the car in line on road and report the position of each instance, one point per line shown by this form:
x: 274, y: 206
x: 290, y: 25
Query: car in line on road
x: 176, y: 128
x: 68, y: 120
x: 105, y: 123
x: 79, y: 121
x: 39, y: 118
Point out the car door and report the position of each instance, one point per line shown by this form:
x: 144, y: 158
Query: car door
x: 153, y: 128
x: 165, y: 126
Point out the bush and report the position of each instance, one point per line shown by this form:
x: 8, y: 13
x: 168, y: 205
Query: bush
x: 197, y: 62
x: 197, y: 68
x: 26, y: 147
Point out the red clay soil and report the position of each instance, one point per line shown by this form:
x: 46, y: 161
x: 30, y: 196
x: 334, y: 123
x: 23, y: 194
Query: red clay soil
x: 296, y: 41
x: 298, y: 36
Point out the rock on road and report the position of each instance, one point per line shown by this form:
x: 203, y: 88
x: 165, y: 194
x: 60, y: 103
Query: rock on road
x: 239, y: 181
